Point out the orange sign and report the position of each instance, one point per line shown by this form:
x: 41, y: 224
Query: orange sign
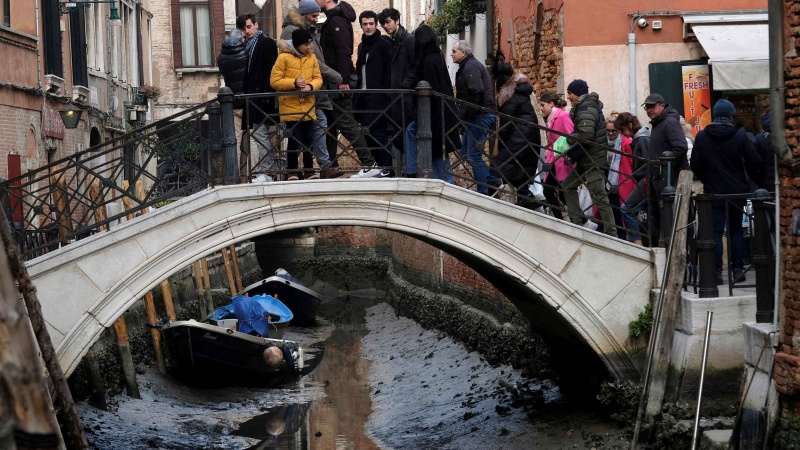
x: 696, y: 97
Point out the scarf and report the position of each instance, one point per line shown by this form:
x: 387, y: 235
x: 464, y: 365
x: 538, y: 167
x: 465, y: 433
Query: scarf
x: 614, y: 159
x: 251, y: 46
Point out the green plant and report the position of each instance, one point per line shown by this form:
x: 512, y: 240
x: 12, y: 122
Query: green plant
x: 643, y: 324
x: 150, y: 91
x: 453, y: 16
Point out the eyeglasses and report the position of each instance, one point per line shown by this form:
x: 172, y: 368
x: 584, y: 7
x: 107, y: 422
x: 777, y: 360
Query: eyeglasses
x: 612, y: 131
x: 651, y: 106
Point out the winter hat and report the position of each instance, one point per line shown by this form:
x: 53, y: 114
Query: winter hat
x: 578, y: 87
x: 300, y: 36
x: 766, y: 121
x: 308, y: 7
x: 724, y: 108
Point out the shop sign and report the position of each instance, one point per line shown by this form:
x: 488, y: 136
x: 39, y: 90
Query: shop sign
x: 52, y: 125
x: 696, y: 96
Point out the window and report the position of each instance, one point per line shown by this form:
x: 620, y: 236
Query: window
x: 51, y: 32
x: 77, y: 28
x: 7, y: 13
x: 195, y: 25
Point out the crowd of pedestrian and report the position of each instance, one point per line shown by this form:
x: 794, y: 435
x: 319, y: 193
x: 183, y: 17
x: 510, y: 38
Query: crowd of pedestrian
x: 597, y: 171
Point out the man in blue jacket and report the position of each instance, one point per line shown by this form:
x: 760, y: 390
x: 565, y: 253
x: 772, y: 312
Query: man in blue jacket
x: 722, y: 158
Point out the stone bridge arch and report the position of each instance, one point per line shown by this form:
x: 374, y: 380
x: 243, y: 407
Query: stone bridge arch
x: 550, y: 269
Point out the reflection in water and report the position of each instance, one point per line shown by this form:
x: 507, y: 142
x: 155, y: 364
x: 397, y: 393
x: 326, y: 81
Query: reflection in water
x: 332, y: 422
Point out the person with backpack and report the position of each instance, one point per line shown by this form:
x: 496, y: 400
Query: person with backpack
x: 589, y: 156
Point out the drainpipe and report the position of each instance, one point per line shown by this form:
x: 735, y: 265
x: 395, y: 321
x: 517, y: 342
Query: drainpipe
x: 490, y: 29
x: 777, y: 107
x: 632, y: 71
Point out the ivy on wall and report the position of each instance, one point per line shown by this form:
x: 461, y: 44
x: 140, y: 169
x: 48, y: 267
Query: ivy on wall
x: 455, y: 15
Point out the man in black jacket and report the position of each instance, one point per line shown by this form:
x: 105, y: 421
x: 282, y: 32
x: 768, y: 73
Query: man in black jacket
x: 722, y: 158
x: 373, y: 69
x: 474, y: 85
x: 261, y: 55
x: 336, y: 39
x: 666, y: 134
x: 401, y: 66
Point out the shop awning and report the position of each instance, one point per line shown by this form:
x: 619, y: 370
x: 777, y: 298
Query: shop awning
x: 737, y: 51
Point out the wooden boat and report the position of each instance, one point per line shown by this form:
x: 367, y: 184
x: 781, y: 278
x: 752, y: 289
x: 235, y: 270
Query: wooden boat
x: 206, y: 353
x: 302, y: 301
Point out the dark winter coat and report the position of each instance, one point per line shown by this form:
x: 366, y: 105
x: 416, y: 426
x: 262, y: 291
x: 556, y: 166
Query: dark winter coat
x: 518, y: 154
x: 402, y: 66
x: 232, y: 63
x: 587, y: 117
x: 723, y: 157
x: 473, y: 85
x: 336, y: 38
x: 259, y: 68
x: 433, y: 69
x: 374, y: 59
x: 667, y: 135
x: 330, y: 77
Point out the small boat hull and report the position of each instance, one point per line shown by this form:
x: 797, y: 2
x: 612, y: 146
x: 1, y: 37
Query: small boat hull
x: 208, y: 353
x: 302, y: 301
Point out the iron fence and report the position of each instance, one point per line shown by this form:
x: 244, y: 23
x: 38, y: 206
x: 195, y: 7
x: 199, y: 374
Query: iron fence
x: 206, y: 145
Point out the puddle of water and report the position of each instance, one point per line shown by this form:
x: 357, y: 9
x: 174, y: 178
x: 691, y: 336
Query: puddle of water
x: 335, y: 421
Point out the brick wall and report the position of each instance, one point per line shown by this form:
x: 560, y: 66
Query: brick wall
x: 787, y: 361
x: 544, y: 67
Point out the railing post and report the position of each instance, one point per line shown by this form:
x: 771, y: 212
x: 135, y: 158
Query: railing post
x: 762, y: 258
x: 667, y: 198
x: 215, y: 137
x: 230, y: 157
x: 424, y: 135
x: 706, y: 247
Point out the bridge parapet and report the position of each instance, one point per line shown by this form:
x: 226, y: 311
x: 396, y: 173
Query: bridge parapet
x: 594, y: 283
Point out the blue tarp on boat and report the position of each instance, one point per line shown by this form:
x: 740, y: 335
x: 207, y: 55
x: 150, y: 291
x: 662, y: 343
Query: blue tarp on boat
x: 254, y: 313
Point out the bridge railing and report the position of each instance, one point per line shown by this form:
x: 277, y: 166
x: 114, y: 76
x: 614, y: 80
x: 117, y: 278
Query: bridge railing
x: 754, y: 213
x: 90, y: 191
x: 86, y: 192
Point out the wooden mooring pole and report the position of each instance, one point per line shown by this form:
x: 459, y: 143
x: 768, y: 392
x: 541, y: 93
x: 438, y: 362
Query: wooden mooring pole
x: 227, y: 261
x: 128, y: 369
x: 207, y: 283
x: 155, y: 333
x: 237, y: 274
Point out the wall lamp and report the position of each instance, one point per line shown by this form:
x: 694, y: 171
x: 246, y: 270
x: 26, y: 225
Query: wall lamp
x: 113, y: 16
x: 71, y: 115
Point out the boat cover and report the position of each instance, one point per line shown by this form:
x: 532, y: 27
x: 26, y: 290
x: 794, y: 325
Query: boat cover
x: 251, y: 314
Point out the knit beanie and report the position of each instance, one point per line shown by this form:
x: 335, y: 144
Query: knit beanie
x: 308, y: 7
x: 724, y: 108
x: 300, y: 36
x: 578, y: 87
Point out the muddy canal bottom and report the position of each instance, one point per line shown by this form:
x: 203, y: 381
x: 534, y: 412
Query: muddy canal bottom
x: 385, y: 384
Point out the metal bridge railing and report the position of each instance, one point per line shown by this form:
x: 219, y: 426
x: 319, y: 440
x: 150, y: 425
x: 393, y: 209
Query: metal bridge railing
x: 755, y: 213
x: 92, y: 190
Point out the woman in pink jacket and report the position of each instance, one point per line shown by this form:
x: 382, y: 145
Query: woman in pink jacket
x: 555, y: 169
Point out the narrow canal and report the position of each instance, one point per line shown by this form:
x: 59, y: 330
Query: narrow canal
x: 377, y: 381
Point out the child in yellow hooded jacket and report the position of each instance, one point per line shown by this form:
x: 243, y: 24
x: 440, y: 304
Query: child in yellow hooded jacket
x: 297, y: 69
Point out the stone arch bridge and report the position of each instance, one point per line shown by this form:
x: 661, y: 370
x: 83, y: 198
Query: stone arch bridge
x: 565, y: 278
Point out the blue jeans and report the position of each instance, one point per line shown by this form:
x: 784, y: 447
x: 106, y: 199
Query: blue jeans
x: 631, y: 220
x: 442, y: 169
x: 472, y: 146
x: 320, y: 147
x: 733, y: 217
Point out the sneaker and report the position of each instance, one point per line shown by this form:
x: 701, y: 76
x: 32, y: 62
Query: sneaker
x: 262, y: 178
x: 313, y: 176
x: 368, y: 173
x: 590, y: 225
x: 384, y: 174
x: 330, y: 172
x: 292, y: 178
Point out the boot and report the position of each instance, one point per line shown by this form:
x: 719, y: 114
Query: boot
x: 330, y: 172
